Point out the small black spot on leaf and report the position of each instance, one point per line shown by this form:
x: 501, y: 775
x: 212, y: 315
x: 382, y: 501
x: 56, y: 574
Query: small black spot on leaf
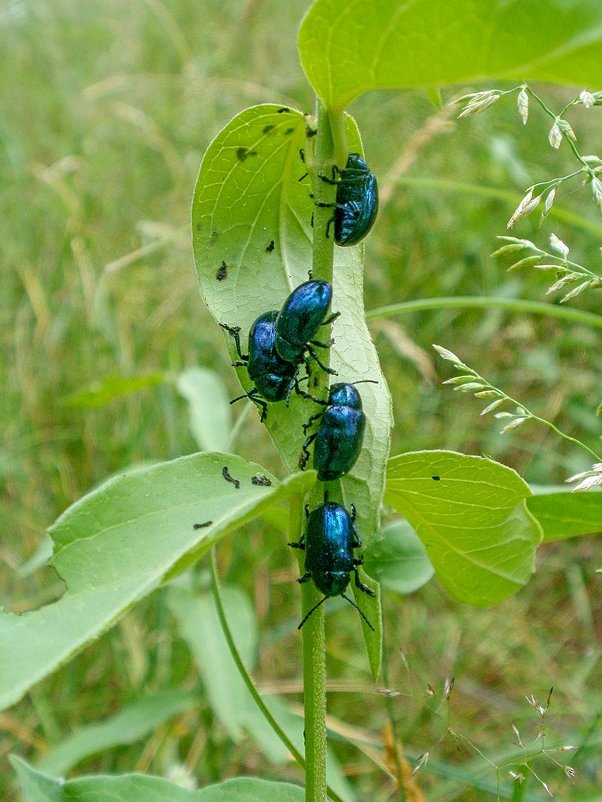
x: 436, y: 478
x: 267, y: 129
x: 244, y: 153
x: 283, y: 110
x: 222, y: 272
x: 271, y: 246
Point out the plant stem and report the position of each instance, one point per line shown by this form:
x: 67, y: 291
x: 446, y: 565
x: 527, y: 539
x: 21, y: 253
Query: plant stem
x: 478, y: 302
x: 314, y: 685
x: 246, y: 677
x: 314, y: 639
x: 242, y: 669
x: 323, y: 247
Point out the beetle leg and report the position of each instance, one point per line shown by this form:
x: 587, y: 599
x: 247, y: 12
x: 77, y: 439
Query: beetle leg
x: 359, y: 584
x: 313, y: 354
x: 252, y: 394
x: 234, y: 331
x: 309, y: 397
x: 313, y: 609
x: 318, y: 344
x: 353, y: 604
x: 331, y: 319
x: 353, y: 514
x: 356, y: 542
x: 304, y: 578
x: 304, y: 458
x: 299, y: 545
x: 313, y: 418
x: 334, y: 179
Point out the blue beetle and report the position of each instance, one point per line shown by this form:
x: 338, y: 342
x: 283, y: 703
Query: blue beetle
x: 297, y: 324
x: 274, y: 378
x: 328, y: 542
x: 356, y: 204
x: 338, y: 440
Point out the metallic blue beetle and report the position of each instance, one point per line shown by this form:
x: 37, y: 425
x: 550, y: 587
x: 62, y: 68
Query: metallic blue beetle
x: 274, y: 378
x: 340, y: 434
x: 297, y: 324
x: 356, y: 204
x: 328, y: 542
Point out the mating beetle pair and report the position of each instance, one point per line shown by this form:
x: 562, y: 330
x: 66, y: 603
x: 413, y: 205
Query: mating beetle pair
x: 329, y: 540
x: 280, y: 341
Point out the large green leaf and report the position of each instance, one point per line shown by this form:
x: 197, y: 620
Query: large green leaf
x: 117, y: 544
x: 471, y: 515
x: 38, y: 787
x: 348, y: 48
x: 251, y: 223
x: 564, y: 515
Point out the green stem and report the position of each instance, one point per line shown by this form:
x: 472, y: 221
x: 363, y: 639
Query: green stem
x: 242, y: 669
x: 314, y: 684
x: 246, y: 677
x: 323, y: 247
x: 478, y: 302
x: 314, y: 639
x: 565, y: 436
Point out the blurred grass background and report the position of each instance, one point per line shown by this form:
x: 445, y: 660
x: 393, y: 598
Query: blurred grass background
x: 107, y: 108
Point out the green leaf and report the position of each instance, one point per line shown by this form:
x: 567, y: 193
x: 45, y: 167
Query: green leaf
x: 208, y: 407
x: 38, y: 787
x: 470, y: 513
x: 248, y: 196
x: 229, y: 698
x: 564, y: 515
x: 371, y: 606
x: 120, y: 542
x: 397, y: 558
x: 127, y: 726
x: 350, y: 48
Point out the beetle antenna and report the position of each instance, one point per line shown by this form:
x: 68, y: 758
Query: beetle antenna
x: 364, y: 381
x: 315, y: 607
x: 353, y: 604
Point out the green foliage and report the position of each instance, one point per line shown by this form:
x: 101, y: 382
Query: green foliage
x: 208, y: 409
x: 565, y: 515
x: 470, y: 513
x: 107, y: 188
x: 397, y: 559
x: 129, y: 725
x: 350, y: 49
x: 119, y: 543
x: 248, y: 195
x: 39, y: 787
